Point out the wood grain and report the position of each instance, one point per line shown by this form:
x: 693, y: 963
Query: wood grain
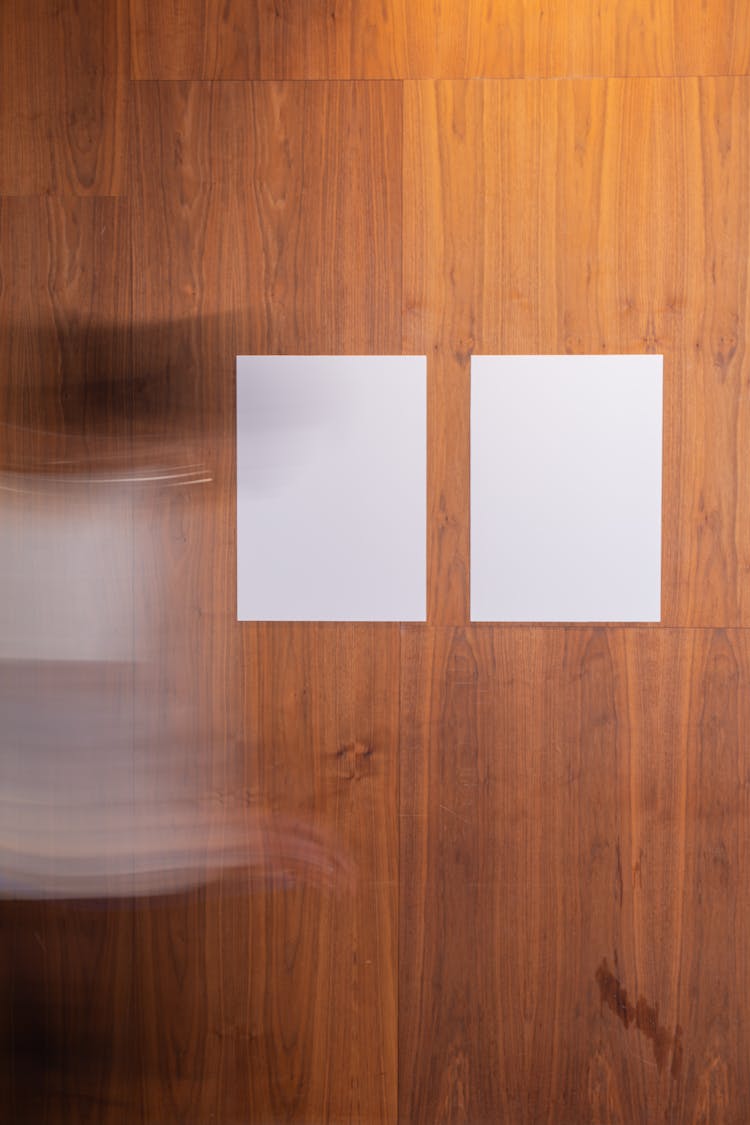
x: 490, y: 874
x: 479, y: 39
x: 206, y: 39
x: 198, y: 39
x: 556, y: 217
x: 256, y: 230
x: 321, y: 707
x: 65, y: 307
x: 63, y: 113
x: 68, y: 1052
x: 67, y: 1035
x: 576, y: 875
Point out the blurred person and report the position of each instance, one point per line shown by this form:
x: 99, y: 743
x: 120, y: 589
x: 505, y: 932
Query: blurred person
x: 92, y: 803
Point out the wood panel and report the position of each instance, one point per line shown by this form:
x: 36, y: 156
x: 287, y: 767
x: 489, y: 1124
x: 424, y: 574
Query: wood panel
x: 202, y: 39
x: 65, y: 306
x: 256, y: 230
x: 442, y: 873
x: 321, y: 707
x: 589, y: 217
x: 67, y: 1040
x: 207, y: 39
x: 67, y: 1047
x: 480, y: 39
x: 63, y: 111
x: 574, y: 829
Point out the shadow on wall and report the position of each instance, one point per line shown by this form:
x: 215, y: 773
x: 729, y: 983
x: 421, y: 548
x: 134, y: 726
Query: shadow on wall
x: 86, y: 394
x: 68, y: 1047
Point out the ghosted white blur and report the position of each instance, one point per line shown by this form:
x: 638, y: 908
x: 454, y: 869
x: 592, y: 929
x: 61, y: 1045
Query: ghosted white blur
x: 93, y: 803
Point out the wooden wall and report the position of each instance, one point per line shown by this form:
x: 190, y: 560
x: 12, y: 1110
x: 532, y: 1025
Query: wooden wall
x: 535, y: 902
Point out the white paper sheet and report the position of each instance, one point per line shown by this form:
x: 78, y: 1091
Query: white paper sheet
x: 566, y: 457
x: 331, y: 488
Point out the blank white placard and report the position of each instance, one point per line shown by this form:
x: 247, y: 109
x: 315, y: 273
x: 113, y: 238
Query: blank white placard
x: 566, y: 459
x: 331, y: 488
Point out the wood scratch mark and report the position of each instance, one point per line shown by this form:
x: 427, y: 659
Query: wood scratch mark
x: 446, y: 808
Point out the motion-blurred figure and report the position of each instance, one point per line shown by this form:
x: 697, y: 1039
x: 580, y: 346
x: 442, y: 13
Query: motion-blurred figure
x: 92, y: 803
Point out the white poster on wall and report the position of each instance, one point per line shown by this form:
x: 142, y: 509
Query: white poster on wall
x: 331, y: 488
x: 566, y: 467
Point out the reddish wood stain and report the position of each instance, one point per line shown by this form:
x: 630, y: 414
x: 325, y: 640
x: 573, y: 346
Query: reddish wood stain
x: 645, y: 1017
